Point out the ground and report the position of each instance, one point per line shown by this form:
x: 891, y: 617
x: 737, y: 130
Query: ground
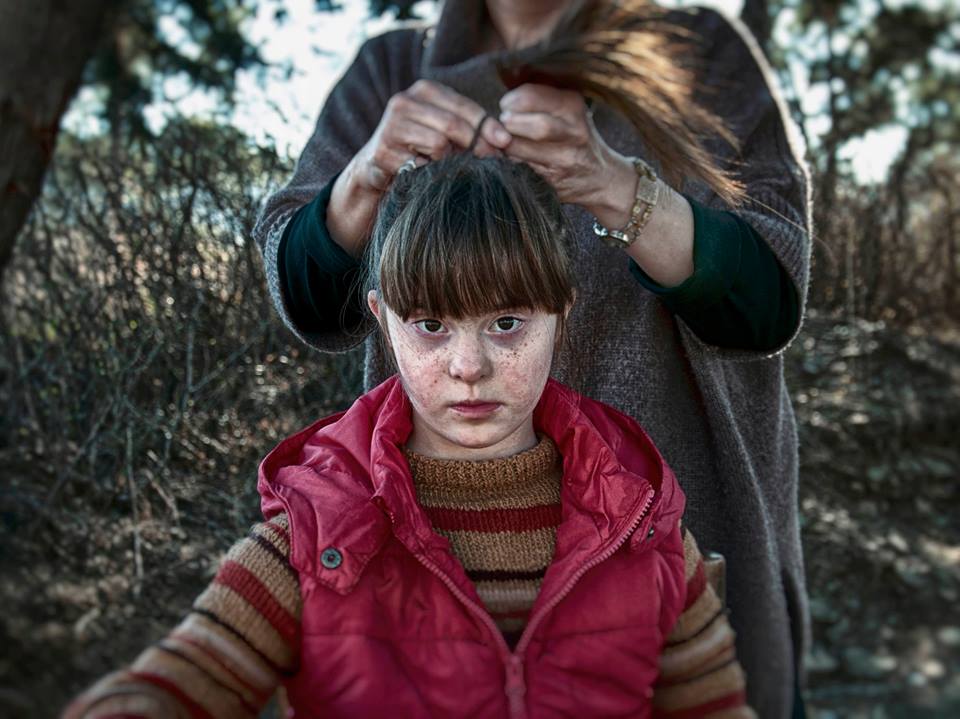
x: 84, y: 586
x: 878, y: 411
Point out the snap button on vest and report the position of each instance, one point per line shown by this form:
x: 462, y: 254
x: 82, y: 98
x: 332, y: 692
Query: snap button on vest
x: 331, y: 558
x: 651, y: 532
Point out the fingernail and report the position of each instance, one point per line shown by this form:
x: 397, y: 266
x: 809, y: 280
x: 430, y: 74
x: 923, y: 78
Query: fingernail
x: 501, y: 136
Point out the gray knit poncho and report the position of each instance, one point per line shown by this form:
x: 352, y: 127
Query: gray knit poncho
x: 721, y: 418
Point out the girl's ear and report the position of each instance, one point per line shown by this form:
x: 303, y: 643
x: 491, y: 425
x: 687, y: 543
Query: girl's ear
x: 561, y: 333
x: 373, y: 302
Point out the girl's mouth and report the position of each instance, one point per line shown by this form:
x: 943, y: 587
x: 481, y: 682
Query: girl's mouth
x: 475, y: 409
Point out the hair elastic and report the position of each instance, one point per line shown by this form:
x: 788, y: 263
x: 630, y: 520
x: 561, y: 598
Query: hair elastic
x: 476, y: 133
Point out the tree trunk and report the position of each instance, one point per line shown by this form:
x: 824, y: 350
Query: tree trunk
x: 44, y: 46
x: 830, y: 148
x: 944, y: 183
x: 755, y: 14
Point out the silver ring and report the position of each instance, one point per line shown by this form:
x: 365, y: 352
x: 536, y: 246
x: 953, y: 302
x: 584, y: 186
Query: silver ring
x: 410, y: 164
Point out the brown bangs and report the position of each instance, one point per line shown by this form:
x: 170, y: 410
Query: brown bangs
x: 467, y: 236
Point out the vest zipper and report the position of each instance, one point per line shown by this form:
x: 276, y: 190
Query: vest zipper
x: 515, y: 687
x: 556, y: 599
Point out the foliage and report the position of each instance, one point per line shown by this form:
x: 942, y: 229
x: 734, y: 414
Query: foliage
x: 136, y: 53
x: 146, y: 42
x: 401, y: 9
x: 893, y: 248
x: 882, y: 67
x: 879, y: 64
x: 884, y: 249
x: 143, y: 375
x: 135, y: 325
x: 877, y: 407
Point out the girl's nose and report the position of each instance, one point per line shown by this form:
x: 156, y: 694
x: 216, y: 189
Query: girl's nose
x: 469, y: 362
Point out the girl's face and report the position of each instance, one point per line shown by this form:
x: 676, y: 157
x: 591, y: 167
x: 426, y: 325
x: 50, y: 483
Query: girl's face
x: 474, y: 382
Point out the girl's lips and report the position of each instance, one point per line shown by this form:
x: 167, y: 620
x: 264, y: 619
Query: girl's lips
x: 475, y: 409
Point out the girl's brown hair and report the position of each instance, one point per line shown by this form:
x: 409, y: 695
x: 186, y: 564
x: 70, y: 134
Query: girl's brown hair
x: 625, y: 54
x: 465, y: 236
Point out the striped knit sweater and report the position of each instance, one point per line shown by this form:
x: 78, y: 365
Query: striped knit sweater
x: 241, y: 637
x: 501, y: 518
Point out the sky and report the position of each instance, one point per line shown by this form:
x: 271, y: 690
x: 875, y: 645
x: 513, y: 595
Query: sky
x: 311, y: 50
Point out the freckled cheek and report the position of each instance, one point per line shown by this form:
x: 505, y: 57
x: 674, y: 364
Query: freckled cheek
x: 422, y: 374
x: 526, y: 367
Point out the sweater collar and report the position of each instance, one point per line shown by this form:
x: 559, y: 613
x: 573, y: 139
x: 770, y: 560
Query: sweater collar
x: 483, y: 484
x: 455, y: 35
x: 449, y: 56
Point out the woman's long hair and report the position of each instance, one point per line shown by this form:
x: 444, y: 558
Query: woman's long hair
x: 624, y: 54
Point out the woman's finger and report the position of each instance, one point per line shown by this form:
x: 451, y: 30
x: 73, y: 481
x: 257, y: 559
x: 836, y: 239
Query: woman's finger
x: 405, y: 107
x: 385, y: 162
x: 485, y: 149
x: 468, y: 112
x: 494, y: 135
x: 538, y: 126
x: 545, y: 171
x: 549, y: 154
x: 418, y: 139
x: 534, y: 98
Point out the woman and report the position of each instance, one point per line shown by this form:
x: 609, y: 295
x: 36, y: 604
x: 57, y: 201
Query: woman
x: 678, y: 329
x: 470, y: 538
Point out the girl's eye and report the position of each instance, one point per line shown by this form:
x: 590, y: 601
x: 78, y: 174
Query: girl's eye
x: 505, y: 325
x: 430, y: 327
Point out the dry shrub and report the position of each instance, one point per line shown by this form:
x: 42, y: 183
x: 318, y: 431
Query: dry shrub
x: 891, y: 251
x: 142, y: 361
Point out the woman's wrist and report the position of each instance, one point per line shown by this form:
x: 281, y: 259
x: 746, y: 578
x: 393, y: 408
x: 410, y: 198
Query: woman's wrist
x: 664, y: 249
x: 664, y: 246
x: 351, y: 211
x: 616, y: 188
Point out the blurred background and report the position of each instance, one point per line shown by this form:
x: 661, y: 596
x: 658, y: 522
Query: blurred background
x: 143, y: 373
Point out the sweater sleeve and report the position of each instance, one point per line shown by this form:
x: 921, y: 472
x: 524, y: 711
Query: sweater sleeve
x: 739, y: 295
x: 385, y: 65
x: 228, y: 656
x: 768, y: 159
x: 699, y: 672
x: 318, y: 279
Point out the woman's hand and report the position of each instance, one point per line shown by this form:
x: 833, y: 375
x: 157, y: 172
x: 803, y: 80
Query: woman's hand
x: 425, y: 122
x: 554, y: 133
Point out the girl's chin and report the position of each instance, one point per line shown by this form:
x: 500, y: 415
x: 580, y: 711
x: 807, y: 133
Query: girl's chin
x: 470, y: 439
x: 478, y: 447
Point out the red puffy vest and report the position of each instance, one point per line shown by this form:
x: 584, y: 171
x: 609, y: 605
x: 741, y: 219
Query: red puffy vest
x: 392, y: 626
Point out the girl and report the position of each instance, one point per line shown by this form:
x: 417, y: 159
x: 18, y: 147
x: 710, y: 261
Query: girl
x: 470, y: 538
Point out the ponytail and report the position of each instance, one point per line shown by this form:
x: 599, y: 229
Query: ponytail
x: 624, y: 54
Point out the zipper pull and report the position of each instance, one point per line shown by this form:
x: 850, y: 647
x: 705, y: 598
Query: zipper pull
x: 515, y: 688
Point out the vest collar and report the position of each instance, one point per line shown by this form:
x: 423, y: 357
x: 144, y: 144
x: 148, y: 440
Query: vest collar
x: 345, y: 485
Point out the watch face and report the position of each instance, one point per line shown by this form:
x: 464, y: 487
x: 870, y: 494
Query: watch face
x: 619, y: 241
x: 612, y: 238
